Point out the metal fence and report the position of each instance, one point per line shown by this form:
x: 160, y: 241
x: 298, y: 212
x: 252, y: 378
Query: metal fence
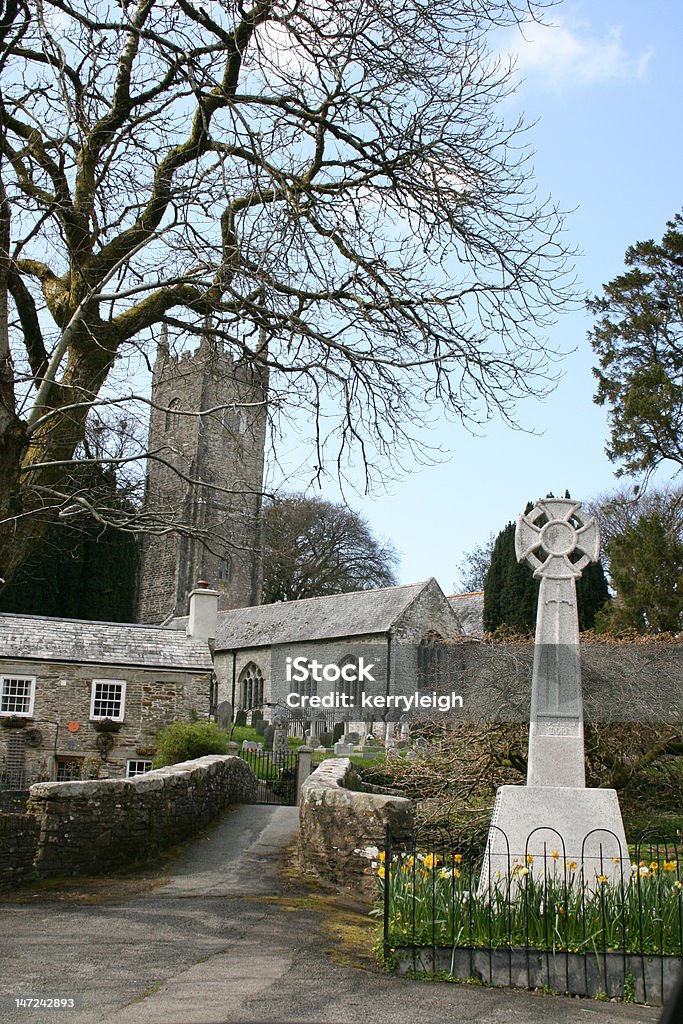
x: 605, y: 924
x: 276, y: 775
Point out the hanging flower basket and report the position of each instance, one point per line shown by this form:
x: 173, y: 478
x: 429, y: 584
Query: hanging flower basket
x: 107, y: 725
x: 14, y: 721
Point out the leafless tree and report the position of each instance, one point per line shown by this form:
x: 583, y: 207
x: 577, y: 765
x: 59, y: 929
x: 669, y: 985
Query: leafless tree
x: 313, y: 547
x: 329, y: 182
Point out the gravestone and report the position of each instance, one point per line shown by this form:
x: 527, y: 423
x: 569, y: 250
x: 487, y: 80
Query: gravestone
x: 342, y: 749
x: 280, y: 745
x: 554, y: 821
x: 224, y: 714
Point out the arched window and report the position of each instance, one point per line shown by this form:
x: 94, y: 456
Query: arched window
x: 225, y: 570
x: 432, y: 667
x: 172, y: 415
x: 250, y: 684
x: 353, y: 687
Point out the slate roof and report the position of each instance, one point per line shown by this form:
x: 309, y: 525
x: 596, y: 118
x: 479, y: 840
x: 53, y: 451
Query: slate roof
x: 469, y: 610
x: 39, y: 638
x: 314, y: 618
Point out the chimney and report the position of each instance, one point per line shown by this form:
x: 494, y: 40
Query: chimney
x: 203, y: 612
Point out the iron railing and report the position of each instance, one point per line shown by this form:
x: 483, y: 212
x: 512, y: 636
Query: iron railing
x: 276, y: 775
x: 605, y: 923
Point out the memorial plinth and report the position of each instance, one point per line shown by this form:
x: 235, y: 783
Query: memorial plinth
x: 554, y: 821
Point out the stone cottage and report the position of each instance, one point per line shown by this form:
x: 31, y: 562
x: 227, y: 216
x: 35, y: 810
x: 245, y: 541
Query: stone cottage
x: 81, y: 699
x: 265, y: 656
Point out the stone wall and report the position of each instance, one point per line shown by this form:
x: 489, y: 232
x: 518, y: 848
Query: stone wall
x: 94, y: 827
x: 339, y: 824
x: 18, y: 840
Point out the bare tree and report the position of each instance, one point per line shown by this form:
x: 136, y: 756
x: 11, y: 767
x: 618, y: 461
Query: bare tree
x: 313, y: 547
x: 328, y: 182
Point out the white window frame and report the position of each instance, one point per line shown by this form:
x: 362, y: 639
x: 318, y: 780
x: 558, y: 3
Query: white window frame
x: 20, y: 679
x: 93, y: 691
x: 137, y: 760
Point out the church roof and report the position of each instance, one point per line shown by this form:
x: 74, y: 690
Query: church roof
x: 315, y: 618
x: 40, y: 638
x: 469, y: 609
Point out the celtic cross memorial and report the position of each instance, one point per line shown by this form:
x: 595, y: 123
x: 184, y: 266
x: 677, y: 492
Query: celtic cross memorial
x: 569, y: 541
x: 554, y: 819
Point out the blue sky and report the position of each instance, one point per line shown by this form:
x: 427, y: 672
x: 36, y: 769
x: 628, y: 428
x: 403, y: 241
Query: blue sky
x: 604, y: 85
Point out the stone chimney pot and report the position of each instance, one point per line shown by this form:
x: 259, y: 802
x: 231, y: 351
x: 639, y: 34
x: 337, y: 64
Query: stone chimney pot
x: 203, y: 616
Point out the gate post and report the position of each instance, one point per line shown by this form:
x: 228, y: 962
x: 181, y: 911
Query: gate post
x: 303, y: 769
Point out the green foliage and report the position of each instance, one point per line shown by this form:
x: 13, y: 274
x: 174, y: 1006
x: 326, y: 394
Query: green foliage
x: 434, y: 902
x: 646, y: 567
x: 511, y: 592
x: 638, y: 338
x: 184, y: 741
x: 314, y: 547
x: 82, y: 570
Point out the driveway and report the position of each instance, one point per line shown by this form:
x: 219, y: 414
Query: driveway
x: 229, y: 934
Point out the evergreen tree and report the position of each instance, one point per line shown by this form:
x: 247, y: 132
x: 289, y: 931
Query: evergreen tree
x: 83, y: 570
x: 511, y: 592
x: 646, y: 566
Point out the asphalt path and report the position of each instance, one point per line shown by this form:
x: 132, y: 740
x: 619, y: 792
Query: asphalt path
x: 231, y: 935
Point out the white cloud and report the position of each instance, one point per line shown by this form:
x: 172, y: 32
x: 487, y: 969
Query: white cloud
x: 563, y: 54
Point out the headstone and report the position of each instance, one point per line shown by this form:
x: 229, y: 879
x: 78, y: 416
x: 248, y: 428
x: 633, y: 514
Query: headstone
x: 554, y: 818
x: 351, y: 737
x: 280, y: 745
x: 342, y: 749
x: 251, y: 746
x: 224, y: 714
x: 268, y: 734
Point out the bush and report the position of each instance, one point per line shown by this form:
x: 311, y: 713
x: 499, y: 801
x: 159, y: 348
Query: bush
x: 183, y: 741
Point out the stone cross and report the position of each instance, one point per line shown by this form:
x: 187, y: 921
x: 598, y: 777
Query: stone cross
x: 558, y: 541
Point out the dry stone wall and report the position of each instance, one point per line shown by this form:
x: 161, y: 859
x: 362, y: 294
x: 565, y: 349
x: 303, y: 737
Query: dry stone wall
x: 18, y: 841
x: 340, y: 825
x: 94, y: 827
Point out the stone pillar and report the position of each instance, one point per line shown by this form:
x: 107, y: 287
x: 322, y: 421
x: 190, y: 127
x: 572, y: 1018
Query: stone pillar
x: 303, y: 769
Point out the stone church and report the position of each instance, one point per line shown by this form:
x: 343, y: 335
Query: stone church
x: 205, y: 471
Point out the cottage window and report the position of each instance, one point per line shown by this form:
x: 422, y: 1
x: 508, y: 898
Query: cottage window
x: 108, y: 699
x: 69, y: 769
x: 17, y: 694
x: 134, y: 768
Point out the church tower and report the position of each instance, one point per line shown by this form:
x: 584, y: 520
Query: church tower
x: 204, y: 480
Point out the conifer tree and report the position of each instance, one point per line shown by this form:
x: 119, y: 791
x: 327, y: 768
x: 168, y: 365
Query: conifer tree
x: 511, y: 592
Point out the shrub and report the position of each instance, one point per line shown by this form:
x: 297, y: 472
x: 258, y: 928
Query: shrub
x: 183, y: 741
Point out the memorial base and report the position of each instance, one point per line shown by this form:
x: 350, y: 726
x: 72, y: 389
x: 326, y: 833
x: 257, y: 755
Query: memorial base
x: 556, y: 831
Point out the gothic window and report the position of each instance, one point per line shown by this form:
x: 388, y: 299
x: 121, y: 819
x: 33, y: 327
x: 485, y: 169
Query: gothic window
x: 353, y: 687
x: 251, y: 687
x: 234, y: 421
x: 309, y: 686
x: 431, y: 662
x: 225, y: 570
x: 172, y: 415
